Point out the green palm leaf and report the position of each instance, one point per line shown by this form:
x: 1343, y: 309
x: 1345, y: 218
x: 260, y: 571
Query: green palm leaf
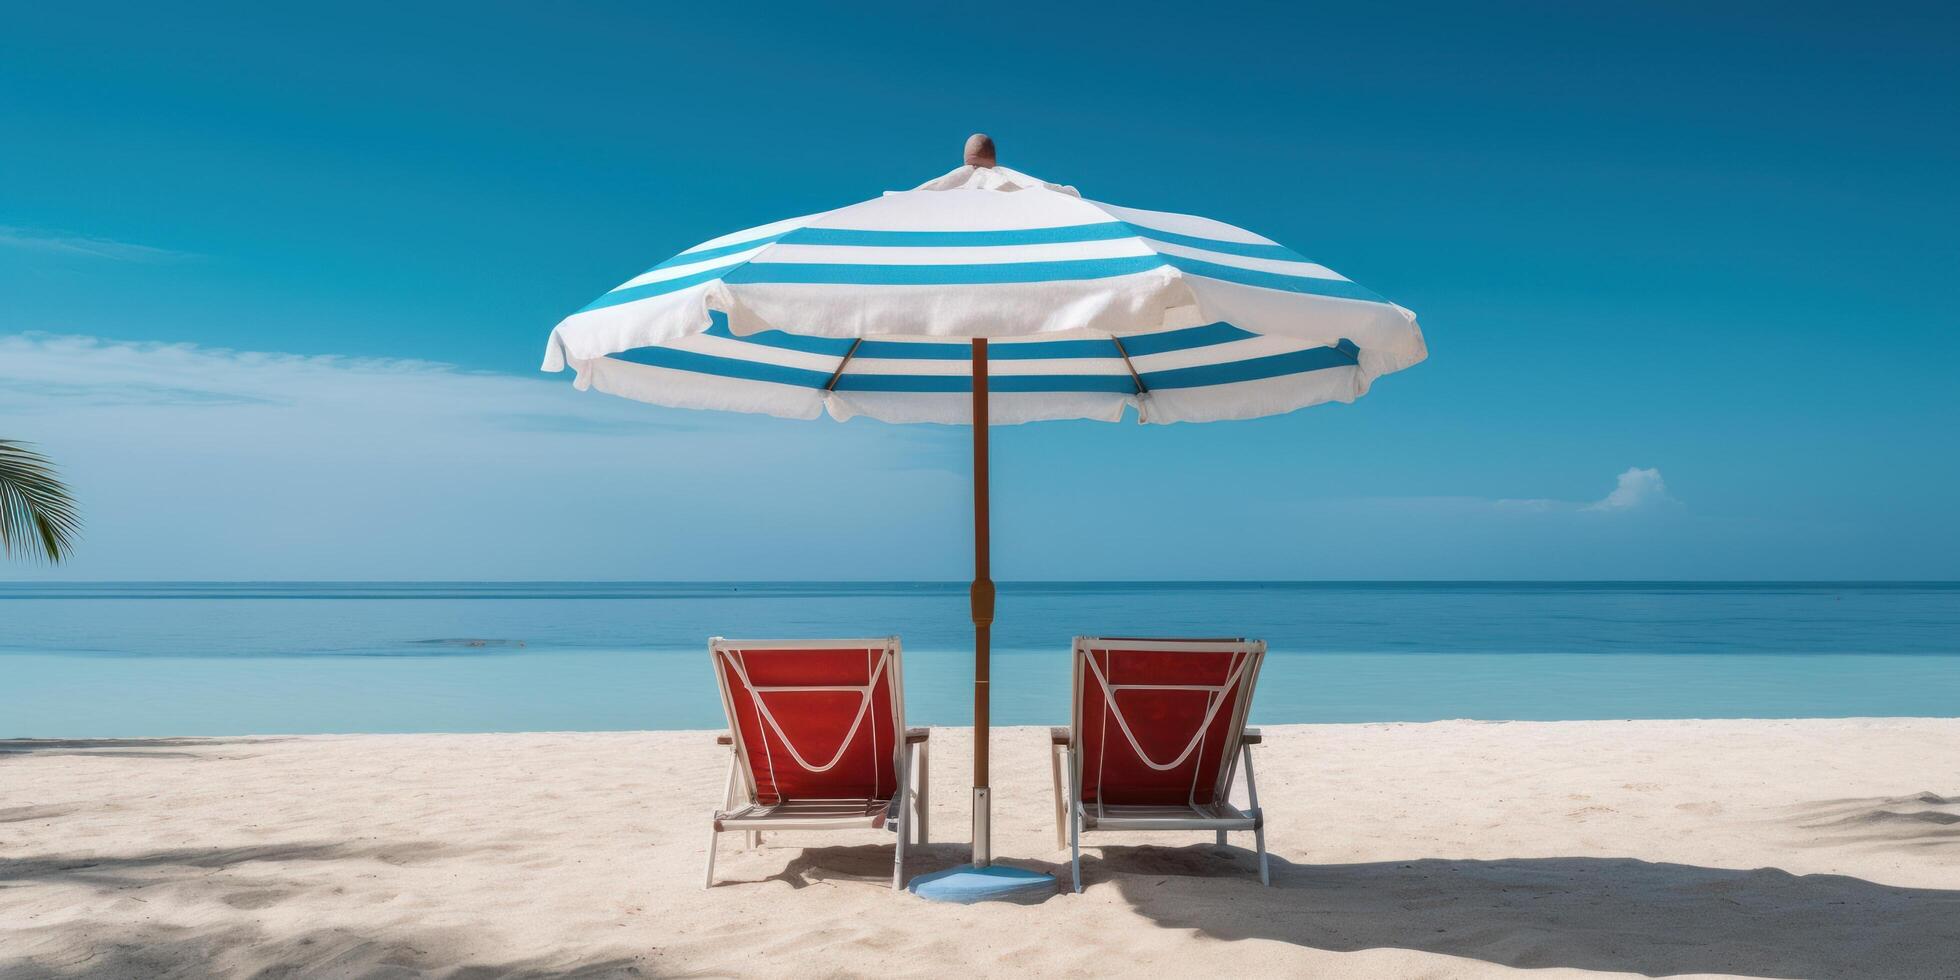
x: 37, y: 516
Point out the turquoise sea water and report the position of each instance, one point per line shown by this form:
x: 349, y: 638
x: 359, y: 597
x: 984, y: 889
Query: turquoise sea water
x: 122, y: 660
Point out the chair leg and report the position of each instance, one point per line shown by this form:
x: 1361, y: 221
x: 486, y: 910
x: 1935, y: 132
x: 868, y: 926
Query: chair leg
x: 1251, y: 783
x: 1222, y: 840
x: 1259, y: 838
x: 1055, y: 775
x: 708, y: 880
x: 923, y: 792
x: 904, y: 828
x: 1259, y: 817
x: 1075, y: 819
x: 750, y: 838
x: 1075, y: 845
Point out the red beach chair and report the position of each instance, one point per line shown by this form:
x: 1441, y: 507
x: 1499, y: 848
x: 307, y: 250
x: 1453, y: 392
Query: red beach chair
x: 1157, y: 730
x: 817, y: 741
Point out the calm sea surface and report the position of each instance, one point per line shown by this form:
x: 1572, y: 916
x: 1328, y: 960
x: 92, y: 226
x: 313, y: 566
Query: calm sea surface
x: 117, y: 660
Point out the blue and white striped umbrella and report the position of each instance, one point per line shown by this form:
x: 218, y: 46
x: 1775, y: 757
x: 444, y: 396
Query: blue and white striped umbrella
x: 1091, y: 308
x: 1068, y: 308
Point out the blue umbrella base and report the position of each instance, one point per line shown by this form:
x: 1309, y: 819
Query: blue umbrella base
x: 967, y: 884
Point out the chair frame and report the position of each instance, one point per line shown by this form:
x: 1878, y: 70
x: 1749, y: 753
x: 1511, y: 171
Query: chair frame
x: 741, y: 809
x: 1220, y: 816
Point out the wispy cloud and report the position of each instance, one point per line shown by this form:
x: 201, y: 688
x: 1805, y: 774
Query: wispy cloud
x: 1637, y: 489
x: 76, y: 374
x: 70, y: 243
x: 200, y: 462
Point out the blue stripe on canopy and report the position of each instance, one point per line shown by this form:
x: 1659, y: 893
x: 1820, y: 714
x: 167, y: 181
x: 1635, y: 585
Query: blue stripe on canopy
x: 724, y: 367
x: 703, y: 255
x: 1254, y: 250
x: 1062, y: 270
x: 1229, y: 372
x: 979, y: 273
x: 1101, y: 231
x: 1211, y: 334
x: 1136, y: 345
x: 964, y: 274
x: 627, y: 294
x: 1337, y: 288
x: 1253, y: 369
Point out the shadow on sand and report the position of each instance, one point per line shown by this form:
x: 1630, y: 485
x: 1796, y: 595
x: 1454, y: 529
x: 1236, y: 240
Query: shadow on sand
x: 125, y: 748
x: 195, y: 865
x: 247, y: 951
x: 125, y: 944
x: 861, y: 862
x: 1586, y: 913
x: 1615, y: 914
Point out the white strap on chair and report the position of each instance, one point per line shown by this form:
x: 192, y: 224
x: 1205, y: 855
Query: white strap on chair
x: 1109, y: 702
x: 762, y: 709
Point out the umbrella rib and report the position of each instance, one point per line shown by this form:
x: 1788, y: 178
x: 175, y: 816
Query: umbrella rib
x: 1134, y: 376
x: 831, y: 385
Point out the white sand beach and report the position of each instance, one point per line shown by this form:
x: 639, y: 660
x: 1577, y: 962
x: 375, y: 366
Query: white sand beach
x: 1826, y: 848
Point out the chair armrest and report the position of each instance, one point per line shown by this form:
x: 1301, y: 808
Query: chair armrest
x: 724, y: 739
x: 1250, y: 736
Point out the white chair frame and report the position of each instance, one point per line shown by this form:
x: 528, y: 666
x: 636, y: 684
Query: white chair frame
x: 1220, y: 816
x: 905, y: 813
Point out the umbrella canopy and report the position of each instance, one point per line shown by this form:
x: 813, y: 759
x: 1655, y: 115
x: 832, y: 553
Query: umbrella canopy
x: 988, y: 294
x: 1092, y: 308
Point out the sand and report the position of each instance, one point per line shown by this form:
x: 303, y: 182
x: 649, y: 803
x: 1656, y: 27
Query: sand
x: 1764, y: 848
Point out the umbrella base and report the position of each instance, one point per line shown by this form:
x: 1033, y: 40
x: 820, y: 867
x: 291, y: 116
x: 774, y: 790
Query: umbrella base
x: 967, y: 884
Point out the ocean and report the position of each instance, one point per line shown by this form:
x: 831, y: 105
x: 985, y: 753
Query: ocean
x: 110, y: 660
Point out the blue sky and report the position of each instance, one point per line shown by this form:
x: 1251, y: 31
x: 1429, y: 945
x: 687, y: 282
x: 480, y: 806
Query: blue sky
x: 274, y: 284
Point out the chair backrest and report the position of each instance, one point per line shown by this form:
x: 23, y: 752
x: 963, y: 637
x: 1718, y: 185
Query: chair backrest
x: 814, y: 719
x: 1159, y: 721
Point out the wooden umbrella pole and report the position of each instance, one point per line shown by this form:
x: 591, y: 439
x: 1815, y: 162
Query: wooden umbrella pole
x: 983, y: 611
x: 980, y: 153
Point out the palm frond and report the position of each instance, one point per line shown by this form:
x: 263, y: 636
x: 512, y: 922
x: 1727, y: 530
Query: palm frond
x: 37, y: 516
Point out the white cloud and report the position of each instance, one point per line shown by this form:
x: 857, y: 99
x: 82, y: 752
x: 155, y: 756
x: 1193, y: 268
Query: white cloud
x: 69, y: 243
x: 1638, y: 487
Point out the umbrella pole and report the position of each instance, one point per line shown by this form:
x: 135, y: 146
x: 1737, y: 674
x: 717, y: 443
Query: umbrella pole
x: 982, y: 595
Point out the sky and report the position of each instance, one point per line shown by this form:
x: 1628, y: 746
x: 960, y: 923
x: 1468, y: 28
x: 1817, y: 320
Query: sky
x: 275, y: 281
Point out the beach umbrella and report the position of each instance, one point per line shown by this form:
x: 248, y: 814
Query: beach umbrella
x: 988, y: 294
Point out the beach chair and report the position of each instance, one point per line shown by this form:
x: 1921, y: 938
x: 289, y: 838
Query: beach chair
x: 1156, y: 732
x: 817, y: 741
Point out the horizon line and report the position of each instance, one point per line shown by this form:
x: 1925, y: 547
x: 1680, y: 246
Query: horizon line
x: 965, y: 582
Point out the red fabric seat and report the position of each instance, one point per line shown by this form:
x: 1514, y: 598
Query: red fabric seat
x: 1163, y: 720
x: 814, y: 724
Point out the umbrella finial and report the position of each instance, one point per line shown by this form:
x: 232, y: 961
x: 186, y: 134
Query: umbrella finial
x: 979, y: 150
